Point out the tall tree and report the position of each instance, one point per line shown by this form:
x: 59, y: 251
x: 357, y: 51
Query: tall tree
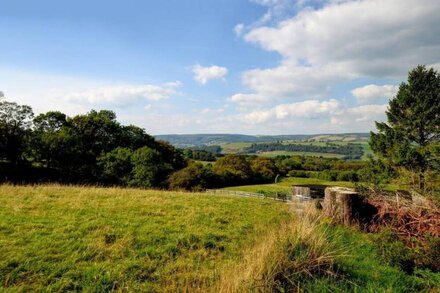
x: 410, y: 136
x: 15, y: 122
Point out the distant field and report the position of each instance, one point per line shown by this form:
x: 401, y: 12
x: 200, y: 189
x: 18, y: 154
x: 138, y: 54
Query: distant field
x: 57, y: 239
x: 285, y: 185
x: 234, y: 147
x: 237, y: 147
x: 287, y: 153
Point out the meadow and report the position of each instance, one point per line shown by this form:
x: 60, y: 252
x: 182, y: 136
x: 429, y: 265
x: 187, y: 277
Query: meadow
x: 55, y: 238
x: 64, y: 238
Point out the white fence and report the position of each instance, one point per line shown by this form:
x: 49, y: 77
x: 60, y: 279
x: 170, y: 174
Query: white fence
x: 276, y: 196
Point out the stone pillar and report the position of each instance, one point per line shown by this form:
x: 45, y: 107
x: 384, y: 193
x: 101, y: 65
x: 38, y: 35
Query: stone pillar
x: 341, y: 204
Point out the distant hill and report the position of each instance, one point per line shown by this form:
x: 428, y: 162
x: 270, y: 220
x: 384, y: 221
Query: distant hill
x: 191, y: 140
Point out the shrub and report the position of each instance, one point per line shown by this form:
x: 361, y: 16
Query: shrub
x: 299, y: 174
x: 351, y: 176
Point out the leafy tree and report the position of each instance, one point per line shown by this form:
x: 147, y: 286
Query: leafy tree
x: 264, y: 168
x: 54, y: 141
x: 149, y: 168
x: 15, y: 122
x: 134, y: 137
x: 192, y: 177
x: 116, y: 166
x: 233, y: 169
x: 171, y: 155
x: 408, y: 138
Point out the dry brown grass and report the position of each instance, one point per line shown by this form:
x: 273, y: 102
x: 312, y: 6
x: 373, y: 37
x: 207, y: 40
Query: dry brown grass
x: 299, y: 249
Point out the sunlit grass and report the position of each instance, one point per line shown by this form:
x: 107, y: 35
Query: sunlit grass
x: 285, y: 185
x: 56, y: 238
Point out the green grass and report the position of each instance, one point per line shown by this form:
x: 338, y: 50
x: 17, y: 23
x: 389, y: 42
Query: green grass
x: 309, y: 254
x: 285, y: 185
x: 234, y: 147
x: 55, y: 238
x: 363, y: 269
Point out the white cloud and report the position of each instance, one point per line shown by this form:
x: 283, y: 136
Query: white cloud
x: 276, y: 10
x: 364, y: 115
x: 313, y: 116
x: 205, y: 74
x: 371, y: 93
x: 306, y: 109
x: 239, y: 29
x: 210, y: 111
x: 344, y: 40
x: 123, y: 95
x: 246, y: 98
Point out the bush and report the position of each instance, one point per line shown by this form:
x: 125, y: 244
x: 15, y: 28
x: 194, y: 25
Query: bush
x: 421, y: 254
x: 394, y: 251
x: 351, y: 176
x: 299, y: 174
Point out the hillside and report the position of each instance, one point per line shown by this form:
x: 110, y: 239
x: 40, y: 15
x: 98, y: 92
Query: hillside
x: 190, y: 140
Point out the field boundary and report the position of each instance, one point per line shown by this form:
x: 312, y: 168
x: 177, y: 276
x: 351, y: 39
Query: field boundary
x: 276, y: 196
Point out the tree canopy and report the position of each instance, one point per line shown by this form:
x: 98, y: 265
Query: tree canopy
x: 410, y: 138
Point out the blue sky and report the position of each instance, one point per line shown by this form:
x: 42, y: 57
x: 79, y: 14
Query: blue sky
x: 229, y: 66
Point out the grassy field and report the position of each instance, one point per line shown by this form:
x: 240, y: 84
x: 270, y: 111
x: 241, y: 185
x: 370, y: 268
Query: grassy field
x: 56, y: 238
x: 233, y: 148
x: 285, y: 185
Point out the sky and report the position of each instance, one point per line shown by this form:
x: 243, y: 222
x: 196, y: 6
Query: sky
x: 224, y: 66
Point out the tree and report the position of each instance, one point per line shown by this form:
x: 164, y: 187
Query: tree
x: 15, y: 122
x: 116, y: 166
x: 263, y: 168
x: 149, y: 168
x: 54, y: 141
x: 233, y: 169
x: 134, y: 137
x: 192, y: 177
x: 407, y: 140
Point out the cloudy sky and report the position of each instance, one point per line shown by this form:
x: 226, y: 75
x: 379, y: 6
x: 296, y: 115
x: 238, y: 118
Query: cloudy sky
x: 217, y: 66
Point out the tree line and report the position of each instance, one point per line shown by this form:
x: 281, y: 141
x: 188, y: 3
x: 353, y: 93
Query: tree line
x: 90, y: 148
x: 94, y: 148
x: 236, y: 169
